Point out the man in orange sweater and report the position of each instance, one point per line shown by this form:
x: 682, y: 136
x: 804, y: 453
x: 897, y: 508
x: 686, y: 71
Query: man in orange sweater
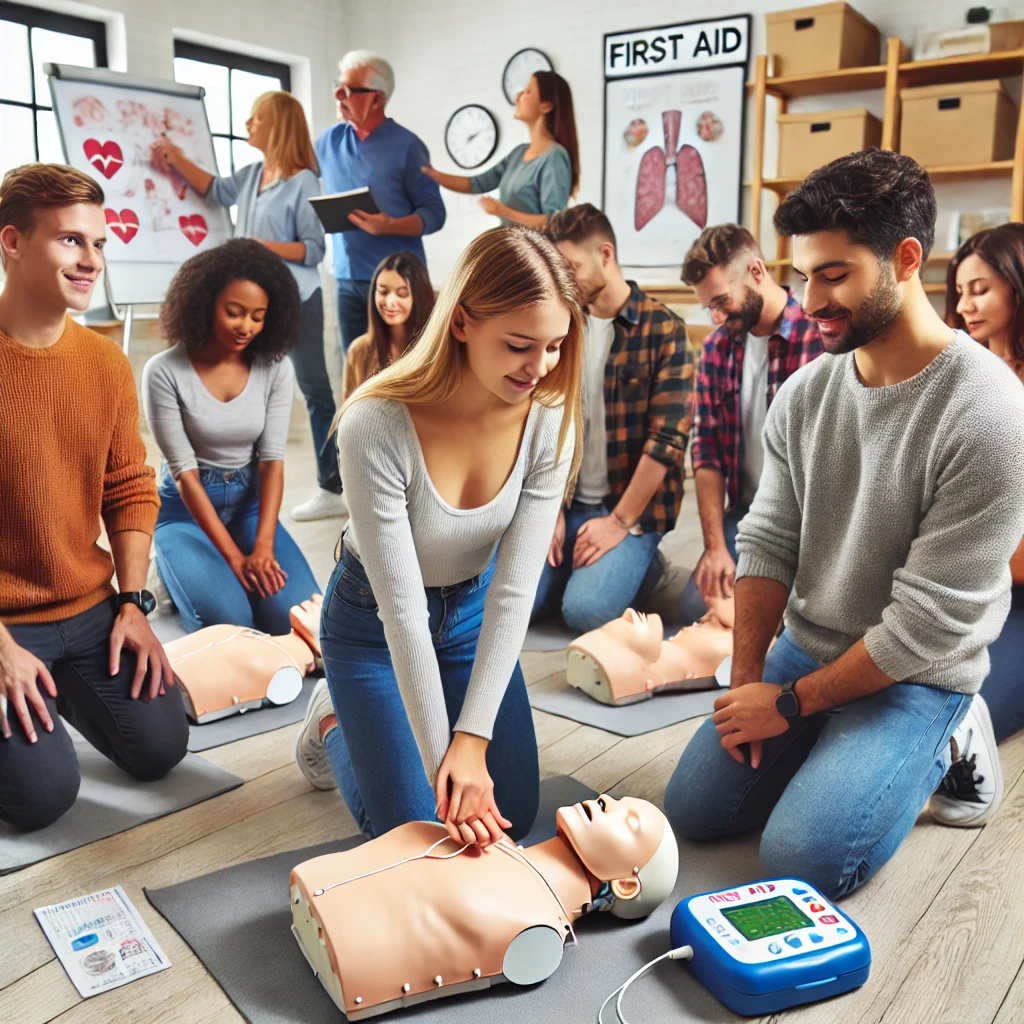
x: 70, y: 454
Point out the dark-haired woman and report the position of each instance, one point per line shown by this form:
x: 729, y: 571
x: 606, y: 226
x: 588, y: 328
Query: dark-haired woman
x: 218, y: 402
x: 985, y: 297
x: 401, y: 299
x: 537, y: 178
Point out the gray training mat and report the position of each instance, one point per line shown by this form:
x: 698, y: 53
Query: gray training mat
x: 657, y: 712
x: 548, y: 634
x: 234, y: 727
x: 111, y: 801
x: 237, y: 922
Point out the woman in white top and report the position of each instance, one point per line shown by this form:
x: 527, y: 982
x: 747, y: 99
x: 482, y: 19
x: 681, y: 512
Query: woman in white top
x: 456, y: 459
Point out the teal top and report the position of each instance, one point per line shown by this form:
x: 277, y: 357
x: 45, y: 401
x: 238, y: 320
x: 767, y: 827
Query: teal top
x: 540, y: 185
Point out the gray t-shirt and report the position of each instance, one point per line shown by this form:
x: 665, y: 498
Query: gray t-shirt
x: 408, y: 537
x: 892, y: 512
x: 592, y: 486
x: 540, y: 185
x: 194, y: 429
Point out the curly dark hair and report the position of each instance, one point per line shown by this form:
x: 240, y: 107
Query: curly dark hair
x: 186, y: 316
x: 876, y: 196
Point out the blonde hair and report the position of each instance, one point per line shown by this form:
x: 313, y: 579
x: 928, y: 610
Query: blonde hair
x: 500, y: 271
x: 289, y: 147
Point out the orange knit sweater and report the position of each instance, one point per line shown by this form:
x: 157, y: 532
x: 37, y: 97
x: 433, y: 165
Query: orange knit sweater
x: 70, y: 453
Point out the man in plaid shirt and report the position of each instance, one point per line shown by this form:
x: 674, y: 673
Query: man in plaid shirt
x: 763, y: 336
x: 637, y: 394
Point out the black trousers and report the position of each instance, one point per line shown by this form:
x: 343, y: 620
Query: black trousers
x: 39, y: 781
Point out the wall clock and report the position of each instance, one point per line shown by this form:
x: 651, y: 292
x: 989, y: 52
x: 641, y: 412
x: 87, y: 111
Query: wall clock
x: 520, y: 69
x: 471, y: 135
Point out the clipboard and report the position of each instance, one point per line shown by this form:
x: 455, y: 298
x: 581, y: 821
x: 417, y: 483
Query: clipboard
x: 333, y: 210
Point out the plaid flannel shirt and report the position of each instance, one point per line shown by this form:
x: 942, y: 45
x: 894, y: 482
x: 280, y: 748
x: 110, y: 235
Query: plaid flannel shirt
x: 648, y: 394
x: 718, y: 425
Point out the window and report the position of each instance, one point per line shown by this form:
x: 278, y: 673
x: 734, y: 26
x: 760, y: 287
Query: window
x: 30, y: 38
x: 232, y: 81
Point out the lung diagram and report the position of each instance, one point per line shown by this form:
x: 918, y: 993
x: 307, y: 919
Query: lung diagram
x: 660, y: 168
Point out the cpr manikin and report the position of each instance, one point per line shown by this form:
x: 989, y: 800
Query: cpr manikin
x: 226, y: 670
x: 628, y: 659
x: 412, y: 916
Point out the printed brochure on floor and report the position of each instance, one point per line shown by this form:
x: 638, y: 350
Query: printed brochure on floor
x: 101, y: 940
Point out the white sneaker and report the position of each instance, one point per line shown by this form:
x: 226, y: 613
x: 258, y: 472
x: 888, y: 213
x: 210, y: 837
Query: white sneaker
x: 323, y: 505
x: 156, y: 586
x: 973, y: 786
x: 310, y: 753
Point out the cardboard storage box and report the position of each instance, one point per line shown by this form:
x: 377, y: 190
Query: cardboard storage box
x: 809, y: 141
x: 965, y: 123
x: 828, y: 37
x: 939, y: 43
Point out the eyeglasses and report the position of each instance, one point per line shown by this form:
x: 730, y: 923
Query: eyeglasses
x: 350, y: 90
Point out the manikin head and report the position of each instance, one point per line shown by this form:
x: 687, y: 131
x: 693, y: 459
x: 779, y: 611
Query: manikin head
x: 52, y: 234
x: 364, y: 86
x: 727, y: 271
x: 627, y: 843
x: 985, y: 290
x: 619, y: 655
x: 862, y: 227
x: 584, y: 236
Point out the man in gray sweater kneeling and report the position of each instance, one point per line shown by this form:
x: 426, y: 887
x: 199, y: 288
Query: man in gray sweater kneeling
x: 891, y: 500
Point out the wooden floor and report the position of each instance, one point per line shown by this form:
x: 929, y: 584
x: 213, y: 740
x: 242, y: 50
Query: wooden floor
x: 945, y: 917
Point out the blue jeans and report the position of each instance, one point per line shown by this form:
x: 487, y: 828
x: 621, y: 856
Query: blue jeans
x: 353, y: 313
x: 1003, y: 689
x: 691, y: 604
x: 836, y: 794
x: 204, y: 589
x: 589, y: 597
x: 307, y: 357
x: 373, y: 753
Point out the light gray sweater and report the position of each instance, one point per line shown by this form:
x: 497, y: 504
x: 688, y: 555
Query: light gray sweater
x: 408, y: 538
x: 195, y: 429
x: 892, y: 512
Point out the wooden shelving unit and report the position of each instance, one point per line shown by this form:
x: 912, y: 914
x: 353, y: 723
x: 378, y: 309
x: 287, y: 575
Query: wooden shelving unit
x: 895, y: 74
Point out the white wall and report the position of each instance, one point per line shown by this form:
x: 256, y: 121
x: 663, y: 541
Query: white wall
x: 453, y: 52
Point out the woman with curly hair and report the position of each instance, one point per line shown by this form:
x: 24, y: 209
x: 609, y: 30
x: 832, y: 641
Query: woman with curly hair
x: 218, y: 402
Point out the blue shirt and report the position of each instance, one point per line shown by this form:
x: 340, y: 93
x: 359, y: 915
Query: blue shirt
x: 388, y: 161
x: 540, y: 185
x: 280, y: 213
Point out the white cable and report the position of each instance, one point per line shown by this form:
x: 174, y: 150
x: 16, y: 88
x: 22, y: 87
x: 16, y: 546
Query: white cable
x: 679, y: 953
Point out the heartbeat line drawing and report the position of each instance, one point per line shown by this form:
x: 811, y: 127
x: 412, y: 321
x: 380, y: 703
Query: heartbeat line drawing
x: 124, y: 224
x: 106, y: 157
x: 684, y: 169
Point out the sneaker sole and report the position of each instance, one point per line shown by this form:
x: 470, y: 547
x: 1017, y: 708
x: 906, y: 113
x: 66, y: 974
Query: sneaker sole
x: 306, y: 722
x: 985, y: 724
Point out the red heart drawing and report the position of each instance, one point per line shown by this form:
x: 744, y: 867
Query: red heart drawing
x: 194, y: 228
x: 124, y: 224
x: 106, y: 158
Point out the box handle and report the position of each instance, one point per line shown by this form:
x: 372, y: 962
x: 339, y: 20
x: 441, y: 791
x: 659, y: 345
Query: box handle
x: 953, y: 103
x: 821, y: 126
x: 801, y: 23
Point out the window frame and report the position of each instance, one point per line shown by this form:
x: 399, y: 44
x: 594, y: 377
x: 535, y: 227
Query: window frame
x: 233, y: 62
x: 53, y: 21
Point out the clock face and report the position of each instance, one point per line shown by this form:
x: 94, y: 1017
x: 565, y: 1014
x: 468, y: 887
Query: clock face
x: 520, y: 69
x: 471, y: 136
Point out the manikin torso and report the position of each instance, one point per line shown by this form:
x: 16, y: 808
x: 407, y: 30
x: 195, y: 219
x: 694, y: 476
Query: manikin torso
x: 430, y: 926
x: 627, y: 659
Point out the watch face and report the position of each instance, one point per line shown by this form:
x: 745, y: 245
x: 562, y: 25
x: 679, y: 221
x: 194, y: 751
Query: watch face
x: 147, y: 601
x: 471, y: 135
x: 787, y: 704
x: 520, y: 69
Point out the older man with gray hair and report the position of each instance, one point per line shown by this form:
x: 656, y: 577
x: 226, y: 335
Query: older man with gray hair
x: 367, y: 148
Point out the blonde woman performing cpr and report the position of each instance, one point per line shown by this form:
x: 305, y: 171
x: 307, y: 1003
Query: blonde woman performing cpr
x: 456, y: 459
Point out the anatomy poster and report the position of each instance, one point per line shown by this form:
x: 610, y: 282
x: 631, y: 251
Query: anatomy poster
x: 673, y: 143
x: 107, y: 132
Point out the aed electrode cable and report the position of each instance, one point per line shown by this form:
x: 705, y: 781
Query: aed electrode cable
x: 679, y: 953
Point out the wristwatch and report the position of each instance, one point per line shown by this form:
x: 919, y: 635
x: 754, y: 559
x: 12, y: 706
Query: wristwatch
x: 142, y: 599
x: 788, y: 703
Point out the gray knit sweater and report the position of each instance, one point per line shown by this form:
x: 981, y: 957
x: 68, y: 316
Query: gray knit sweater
x: 408, y: 538
x: 892, y: 512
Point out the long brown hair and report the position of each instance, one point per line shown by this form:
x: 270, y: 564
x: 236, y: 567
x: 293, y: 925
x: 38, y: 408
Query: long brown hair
x: 289, y: 147
x: 1002, y: 248
x: 409, y: 267
x: 560, y: 120
x: 500, y: 271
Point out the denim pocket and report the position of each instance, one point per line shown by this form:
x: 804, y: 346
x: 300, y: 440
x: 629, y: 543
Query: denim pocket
x: 354, y: 592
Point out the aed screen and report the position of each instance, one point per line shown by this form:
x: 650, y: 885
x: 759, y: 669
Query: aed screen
x: 767, y: 917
